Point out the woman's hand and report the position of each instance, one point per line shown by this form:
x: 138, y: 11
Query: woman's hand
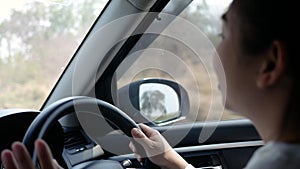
x: 157, y: 148
x: 19, y: 158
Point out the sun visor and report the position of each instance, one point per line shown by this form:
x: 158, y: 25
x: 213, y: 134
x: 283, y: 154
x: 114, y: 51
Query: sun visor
x: 143, y: 5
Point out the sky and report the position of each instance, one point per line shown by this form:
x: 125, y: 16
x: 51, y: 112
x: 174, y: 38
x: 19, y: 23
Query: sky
x: 6, y: 6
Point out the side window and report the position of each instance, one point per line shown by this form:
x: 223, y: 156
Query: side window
x: 37, y: 41
x: 171, y: 59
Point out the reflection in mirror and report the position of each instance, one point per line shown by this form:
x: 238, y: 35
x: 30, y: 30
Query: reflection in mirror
x: 158, y: 102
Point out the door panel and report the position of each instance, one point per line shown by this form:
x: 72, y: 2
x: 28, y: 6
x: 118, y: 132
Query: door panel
x: 230, y: 146
x: 222, y: 157
x: 225, y: 132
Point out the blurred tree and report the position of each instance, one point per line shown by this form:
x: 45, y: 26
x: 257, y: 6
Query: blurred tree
x: 36, y: 42
x: 206, y: 18
x: 153, y: 103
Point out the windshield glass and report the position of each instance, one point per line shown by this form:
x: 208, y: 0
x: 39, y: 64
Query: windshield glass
x: 37, y: 40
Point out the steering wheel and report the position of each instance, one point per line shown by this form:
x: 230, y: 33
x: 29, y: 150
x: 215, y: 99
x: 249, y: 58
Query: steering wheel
x: 47, y: 118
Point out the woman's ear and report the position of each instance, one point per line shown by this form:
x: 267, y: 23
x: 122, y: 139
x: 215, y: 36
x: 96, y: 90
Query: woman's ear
x: 273, y: 65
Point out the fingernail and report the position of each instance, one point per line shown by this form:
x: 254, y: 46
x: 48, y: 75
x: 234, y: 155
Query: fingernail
x: 6, y: 155
x: 136, y: 131
x: 38, y: 142
x: 17, y: 146
x: 140, y: 161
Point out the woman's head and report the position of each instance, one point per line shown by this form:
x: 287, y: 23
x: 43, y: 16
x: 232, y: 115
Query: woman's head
x: 259, y: 54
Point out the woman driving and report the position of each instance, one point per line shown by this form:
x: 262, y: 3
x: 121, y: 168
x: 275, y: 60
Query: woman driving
x: 260, y: 56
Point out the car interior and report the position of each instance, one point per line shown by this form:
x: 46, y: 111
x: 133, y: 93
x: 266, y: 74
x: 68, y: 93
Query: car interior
x: 117, y: 78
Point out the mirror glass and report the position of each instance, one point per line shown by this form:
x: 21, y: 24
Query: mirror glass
x: 158, y: 102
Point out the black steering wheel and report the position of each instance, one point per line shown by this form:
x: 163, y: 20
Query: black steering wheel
x: 47, y: 118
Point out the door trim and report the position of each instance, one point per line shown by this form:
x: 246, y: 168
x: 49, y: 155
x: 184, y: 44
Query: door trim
x: 219, y: 146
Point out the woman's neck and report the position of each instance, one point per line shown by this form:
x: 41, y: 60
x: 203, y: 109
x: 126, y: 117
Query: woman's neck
x: 276, y: 130
x: 270, y: 115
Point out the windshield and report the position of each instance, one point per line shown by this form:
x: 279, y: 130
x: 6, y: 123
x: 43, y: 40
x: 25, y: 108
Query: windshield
x: 37, y: 40
x: 170, y: 57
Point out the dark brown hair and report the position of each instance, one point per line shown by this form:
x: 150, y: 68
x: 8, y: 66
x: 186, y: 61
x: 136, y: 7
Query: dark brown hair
x: 261, y: 22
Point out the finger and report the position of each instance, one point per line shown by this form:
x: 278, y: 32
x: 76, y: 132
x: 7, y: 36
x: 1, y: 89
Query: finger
x: 140, y: 137
x: 139, y: 158
x: 149, y: 132
x: 44, y: 155
x: 22, y: 156
x: 8, y: 160
x: 57, y: 166
x: 132, y: 147
x: 136, y: 154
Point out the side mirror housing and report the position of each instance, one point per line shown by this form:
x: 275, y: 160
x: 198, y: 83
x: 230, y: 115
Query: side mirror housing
x: 154, y: 101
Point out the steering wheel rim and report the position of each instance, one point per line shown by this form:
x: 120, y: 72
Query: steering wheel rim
x: 44, y: 121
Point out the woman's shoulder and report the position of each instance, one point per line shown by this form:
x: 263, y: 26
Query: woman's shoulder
x: 276, y: 155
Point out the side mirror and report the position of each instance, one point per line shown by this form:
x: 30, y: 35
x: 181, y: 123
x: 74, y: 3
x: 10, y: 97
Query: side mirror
x: 155, y: 101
